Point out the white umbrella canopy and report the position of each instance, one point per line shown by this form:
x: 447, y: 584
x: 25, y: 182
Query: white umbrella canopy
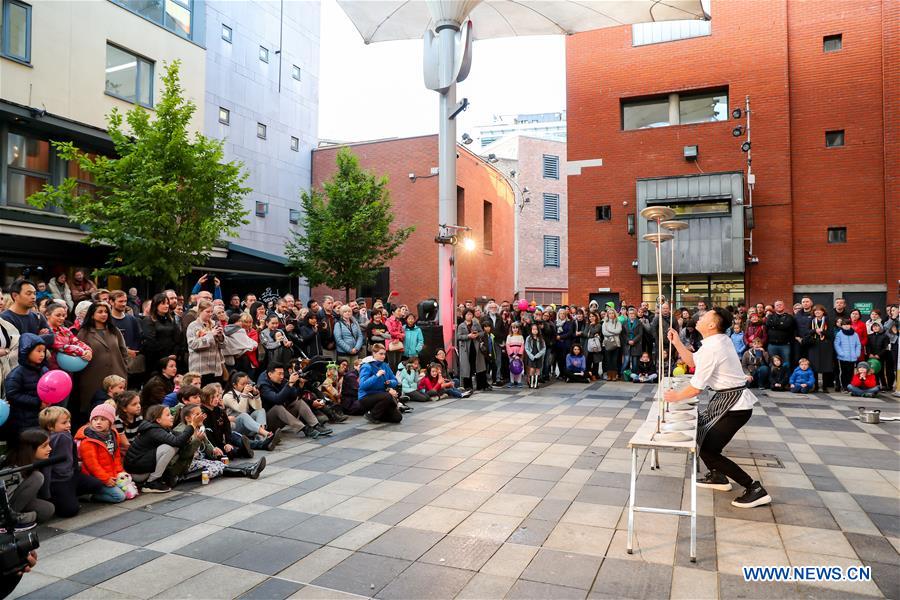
x: 387, y: 20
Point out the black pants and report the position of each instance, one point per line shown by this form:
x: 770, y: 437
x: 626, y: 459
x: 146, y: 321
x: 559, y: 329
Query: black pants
x: 716, y: 440
x: 417, y: 396
x: 64, y: 494
x: 382, y: 406
x: 846, y: 368
x: 612, y: 360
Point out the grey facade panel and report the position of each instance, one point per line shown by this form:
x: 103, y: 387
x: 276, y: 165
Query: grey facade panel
x: 711, y: 244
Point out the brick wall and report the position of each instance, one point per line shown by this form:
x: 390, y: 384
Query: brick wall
x: 414, y: 272
x: 772, y: 51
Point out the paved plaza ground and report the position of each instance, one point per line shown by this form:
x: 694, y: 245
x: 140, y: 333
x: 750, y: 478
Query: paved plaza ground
x: 505, y: 494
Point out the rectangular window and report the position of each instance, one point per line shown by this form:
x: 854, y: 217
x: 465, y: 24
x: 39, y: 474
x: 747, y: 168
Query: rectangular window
x: 227, y: 34
x: 603, y: 213
x: 834, y: 139
x: 551, y: 250
x: 174, y: 15
x: 224, y: 116
x: 128, y: 76
x: 667, y: 31
x: 837, y: 235
x: 460, y: 206
x: 261, y: 131
x: 551, y: 166
x: 28, y: 162
x: 295, y: 72
x: 644, y: 114
x: 178, y: 17
x: 295, y: 144
x: 703, y: 108
x: 264, y: 54
x: 262, y: 208
x: 15, y: 34
x: 488, y: 241
x: 832, y: 43
x: 294, y: 215
x: 551, y: 207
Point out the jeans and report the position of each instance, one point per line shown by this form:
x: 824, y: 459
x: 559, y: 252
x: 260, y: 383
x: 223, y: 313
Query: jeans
x: 650, y: 378
x: 249, y: 423
x: 24, y: 497
x: 782, y: 350
x: 112, y: 495
x: 799, y: 390
x: 715, y: 441
x: 855, y: 390
x: 761, y: 377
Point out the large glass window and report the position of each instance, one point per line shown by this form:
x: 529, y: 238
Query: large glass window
x: 15, y: 35
x: 128, y: 76
x: 645, y: 113
x: 703, y: 108
x: 174, y: 15
x: 178, y: 17
x: 703, y: 208
x: 28, y: 162
x: 84, y: 179
x: 720, y: 290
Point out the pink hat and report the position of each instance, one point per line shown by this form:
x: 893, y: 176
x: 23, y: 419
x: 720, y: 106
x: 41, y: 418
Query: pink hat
x: 106, y: 411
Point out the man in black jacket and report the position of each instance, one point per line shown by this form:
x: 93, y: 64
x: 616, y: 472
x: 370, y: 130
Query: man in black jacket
x: 803, y: 320
x: 282, y: 403
x: 781, y: 328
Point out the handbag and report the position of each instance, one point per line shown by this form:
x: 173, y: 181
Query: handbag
x: 135, y: 365
x: 395, y: 346
x: 610, y: 342
x: 594, y: 344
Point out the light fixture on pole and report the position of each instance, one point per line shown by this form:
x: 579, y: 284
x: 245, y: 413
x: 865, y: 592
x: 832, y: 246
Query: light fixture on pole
x: 466, y: 139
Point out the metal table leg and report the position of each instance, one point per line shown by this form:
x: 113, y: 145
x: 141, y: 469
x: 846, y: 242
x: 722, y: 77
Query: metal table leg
x: 694, y: 509
x: 629, y: 545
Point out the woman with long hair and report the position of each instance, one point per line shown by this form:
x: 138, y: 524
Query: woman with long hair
x: 205, y: 338
x: 108, y: 349
x: 162, y: 336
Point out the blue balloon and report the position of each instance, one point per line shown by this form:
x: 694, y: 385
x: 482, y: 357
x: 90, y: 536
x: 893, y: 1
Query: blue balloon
x: 4, y: 411
x: 72, y: 364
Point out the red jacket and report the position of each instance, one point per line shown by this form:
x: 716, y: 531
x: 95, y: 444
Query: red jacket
x: 96, y: 459
x: 868, y: 383
x: 860, y: 328
x: 427, y: 385
x: 252, y: 355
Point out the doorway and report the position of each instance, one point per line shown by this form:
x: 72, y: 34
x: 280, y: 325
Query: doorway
x: 603, y: 297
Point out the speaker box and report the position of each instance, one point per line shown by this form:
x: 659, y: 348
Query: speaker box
x: 433, y: 336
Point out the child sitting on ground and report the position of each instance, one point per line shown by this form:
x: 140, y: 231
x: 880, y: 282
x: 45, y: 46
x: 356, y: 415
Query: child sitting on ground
x: 189, y: 379
x: 218, y: 426
x: 645, y: 370
x: 21, y: 385
x: 112, y: 386
x: 409, y: 375
x: 128, y: 417
x: 803, y: 379
x: 864, y: 383
x: 440, y: 357
x: 27, y: 491
x: 576, y: 365
x: 154, y: 448
x: 65, y: 481
x: 433, y: 384
x: 778, y: 375
x: 187, y: 395
x: 350, y: 390
x: 99, y: 450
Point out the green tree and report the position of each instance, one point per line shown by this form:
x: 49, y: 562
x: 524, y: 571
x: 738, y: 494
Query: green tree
x: 165, y: 201
x: 344, y: 234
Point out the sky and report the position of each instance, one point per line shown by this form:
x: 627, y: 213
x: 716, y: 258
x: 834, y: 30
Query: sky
x: 377, y: 91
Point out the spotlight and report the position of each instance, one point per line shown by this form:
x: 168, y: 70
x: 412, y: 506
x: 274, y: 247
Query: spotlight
x: 469, y: 244
x: 466, y: 139
x: 492, y: 158
x: 737, y: 131
x: 736, y: 113
x: 745, y: 147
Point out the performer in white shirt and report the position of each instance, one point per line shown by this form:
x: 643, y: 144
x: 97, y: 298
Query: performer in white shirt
x: 717, y: 367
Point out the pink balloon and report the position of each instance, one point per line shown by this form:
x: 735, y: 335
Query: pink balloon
x: 54, y: 386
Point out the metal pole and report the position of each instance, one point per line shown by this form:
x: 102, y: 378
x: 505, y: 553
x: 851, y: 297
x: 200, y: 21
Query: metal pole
x: 694, y: 508
x: 447, y: 181
x: 628, y: 545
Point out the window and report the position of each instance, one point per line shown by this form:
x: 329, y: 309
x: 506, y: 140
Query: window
x: 295, y: 144
x: 261, y: 131
x: 551, y: 207
x: 460, y: 206
x: 667, y: 31
x: 264, y: 54
x: 262, y: 208
x: 645, y: 114
x: 834, y: 139
x: 488, y: 241
x: 174, y: 15
x: 603, y: 213
x: 294, y: 215
x: 832, y: 43
x: 703, y: 108
x: 227, y: 34
x: 15, y: 35
x: 128, y: 76
x: 837, y: 235
x: 85, y: 180
x: 703, y: 208
x: 551, y: 250
x: 551, y: 167
x: 224, y: 116
x: 28, y: 161
x: 295, y: 72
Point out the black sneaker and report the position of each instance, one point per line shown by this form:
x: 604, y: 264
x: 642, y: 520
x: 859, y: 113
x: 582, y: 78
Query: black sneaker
x: 715, y: 481
x: 157, y: 486
x: 370, y: 418
x: 323, y: 430
x: 311, y: 432
x: 273, y: 440
x: 466, y: 393
x: 246, y: 450
x: 404, y: 408
x: 24, y: 521
x: 755, y: 495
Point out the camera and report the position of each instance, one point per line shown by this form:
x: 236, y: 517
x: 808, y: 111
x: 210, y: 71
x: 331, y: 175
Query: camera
x: 14, y: 546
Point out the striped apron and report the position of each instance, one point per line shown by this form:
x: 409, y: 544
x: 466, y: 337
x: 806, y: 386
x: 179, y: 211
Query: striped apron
x: 719, y: 404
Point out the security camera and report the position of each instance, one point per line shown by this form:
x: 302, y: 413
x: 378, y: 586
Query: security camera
x: 412, y: 176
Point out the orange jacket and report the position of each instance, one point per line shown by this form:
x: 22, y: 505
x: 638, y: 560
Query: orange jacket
x: 95, y: 458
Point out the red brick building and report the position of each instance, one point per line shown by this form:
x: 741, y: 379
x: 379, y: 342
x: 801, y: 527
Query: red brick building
x: 484, y: 203
x: 825, y: 112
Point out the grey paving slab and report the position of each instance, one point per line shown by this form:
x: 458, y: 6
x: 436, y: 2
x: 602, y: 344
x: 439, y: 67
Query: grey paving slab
x: 282, y: 496
x: 550, y: 509
x: 534, y: 590
x: 461, y: 552
x: 113, y: 524
x: 204, y: 508
x: 417, y: 475
x: 607, y: 479
x: 827, y: 484
x: 532, y: 532
x: 528, y: 487
x: 563, y: 568
x: 362, y: 574
x: 221, y: 545
x: 879, y: 504
x: 271, y: 555
x: 403, y: 542
x: 887, y: 577
x: 543, y: 472
x: 422, y: 580
x: 167, y: 504
x: 619, y: 578
x: 319, y: 529
x: 148, y: 531
x: 611, y: 496
x: 273, y: 521
x: 706, y: 543
x: 798, y: 496
x: 888, y: 524
x: 112, y: 568
x: 56, y: 591
x: 314, y: 483
x: 272, y: 589
x: 379, y: 471
x: 873, y: 548
x: 805, y: 516
x: 395, y: 513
